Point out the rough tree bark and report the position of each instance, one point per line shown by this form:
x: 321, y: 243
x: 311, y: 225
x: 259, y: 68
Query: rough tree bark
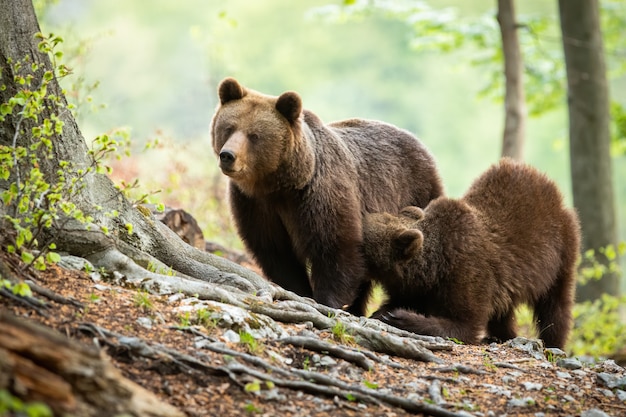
x: 514, y: 99
x: 590, y: 158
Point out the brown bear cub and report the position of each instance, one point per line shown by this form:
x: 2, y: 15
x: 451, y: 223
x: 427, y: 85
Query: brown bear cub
x: 299, y: 188
x: 460, y: 267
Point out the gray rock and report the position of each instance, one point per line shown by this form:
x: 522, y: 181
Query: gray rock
x: 555, y: 353
x: 611, y: 381
x: 534, y: 347
x: 594, y: 412
x: 231, y: 336
x: 564, y: 375
x: 521, y: 402
x: 569, y: 363
x: 145, y: 322
x: 621, y: 395
x: 532, y: 386
x: 327, y: 361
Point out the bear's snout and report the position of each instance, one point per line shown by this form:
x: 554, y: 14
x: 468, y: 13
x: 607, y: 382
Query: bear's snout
x: 227, y: 159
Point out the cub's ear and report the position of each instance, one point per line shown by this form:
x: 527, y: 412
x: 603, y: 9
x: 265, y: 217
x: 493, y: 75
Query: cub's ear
x: 408, y: 243
x: 229, y: 90
x: 413, y: 212
x: 289, y: 105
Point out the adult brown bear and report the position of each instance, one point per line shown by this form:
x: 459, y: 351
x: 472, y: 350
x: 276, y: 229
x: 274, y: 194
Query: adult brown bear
x: 299, y: 188
x: 460, y: 267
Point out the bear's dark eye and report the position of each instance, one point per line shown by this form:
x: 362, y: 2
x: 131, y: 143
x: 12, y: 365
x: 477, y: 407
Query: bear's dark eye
x: 228, y: 131
x: 253, y: 137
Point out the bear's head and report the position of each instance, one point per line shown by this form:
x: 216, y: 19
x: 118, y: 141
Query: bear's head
x: 258, y: 139
x: 391, y: 241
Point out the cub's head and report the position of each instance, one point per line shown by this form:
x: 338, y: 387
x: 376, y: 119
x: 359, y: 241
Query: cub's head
x: 253, y: 134
x: 391, y: 241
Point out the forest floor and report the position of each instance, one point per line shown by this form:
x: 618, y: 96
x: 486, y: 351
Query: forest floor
x: 512, y: 379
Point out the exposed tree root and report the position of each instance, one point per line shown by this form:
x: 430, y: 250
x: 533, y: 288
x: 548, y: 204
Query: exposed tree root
x: 296, y: 379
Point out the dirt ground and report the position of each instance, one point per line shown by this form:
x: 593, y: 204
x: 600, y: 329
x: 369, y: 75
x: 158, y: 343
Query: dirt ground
x: 485, y: 380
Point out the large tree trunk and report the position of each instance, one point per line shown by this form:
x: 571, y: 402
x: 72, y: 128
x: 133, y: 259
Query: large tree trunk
x: 514, y: 99
x: 98, y: 196
x: 588, y: 100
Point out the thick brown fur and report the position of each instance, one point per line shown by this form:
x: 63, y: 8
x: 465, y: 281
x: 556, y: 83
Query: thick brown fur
x: 460, y: 267
x: 299, y: 188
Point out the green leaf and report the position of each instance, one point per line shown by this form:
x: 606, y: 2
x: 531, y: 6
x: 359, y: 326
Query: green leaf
x: 254, y: 386
x: 22, y: 289
x: 370, y: 385
x: 27, y: 257
x: 53, y: 257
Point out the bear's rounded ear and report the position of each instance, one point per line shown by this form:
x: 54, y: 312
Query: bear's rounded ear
x: 413, y: 212
x: 408, y: 243
x: 230, y: 90
x: 289, y: 105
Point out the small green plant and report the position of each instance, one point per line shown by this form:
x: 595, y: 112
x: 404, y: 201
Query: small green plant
x: 341, y: 334
x: 251, y: 344
x: 11, y: 405
x: 306, y: 363
x: 252, y: 409
x: 350, y: 397
x: 370, y: 385
x: 205, y: 318
x: 184, y: 319
x: 21, y: 288
x: 94, y: 298
x: 488, y: 363
x: 143, y: 301
x: 254, y: 386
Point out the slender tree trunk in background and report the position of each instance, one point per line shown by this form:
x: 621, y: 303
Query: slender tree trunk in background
x: 590, y: 159
x: 514, y: 100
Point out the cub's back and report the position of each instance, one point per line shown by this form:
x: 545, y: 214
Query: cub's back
x: 523, y: 207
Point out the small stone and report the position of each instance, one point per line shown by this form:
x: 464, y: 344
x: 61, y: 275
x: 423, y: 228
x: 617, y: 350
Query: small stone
x: 607, y: 392
x: 145, y: 322
x: 508, y: 379
x: 532, y: 386
x: 594, y: 412
x: 621, y: 395
x: 521, y: 402
x: 564, y: 375
x: 568, y: 398
x: 327, y: 361
x: 555, y: 353
x: 569, y: 363
x: 611, y: 381
x: 231, y: 336
x: 175, y: 297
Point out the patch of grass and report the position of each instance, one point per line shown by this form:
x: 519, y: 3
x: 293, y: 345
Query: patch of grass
x: 251, y: 344
x: 143, y: 301
x: 341, y: 334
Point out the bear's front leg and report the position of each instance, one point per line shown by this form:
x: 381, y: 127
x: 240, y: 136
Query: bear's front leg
x: 266, y: 238
x: 337, y: 277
